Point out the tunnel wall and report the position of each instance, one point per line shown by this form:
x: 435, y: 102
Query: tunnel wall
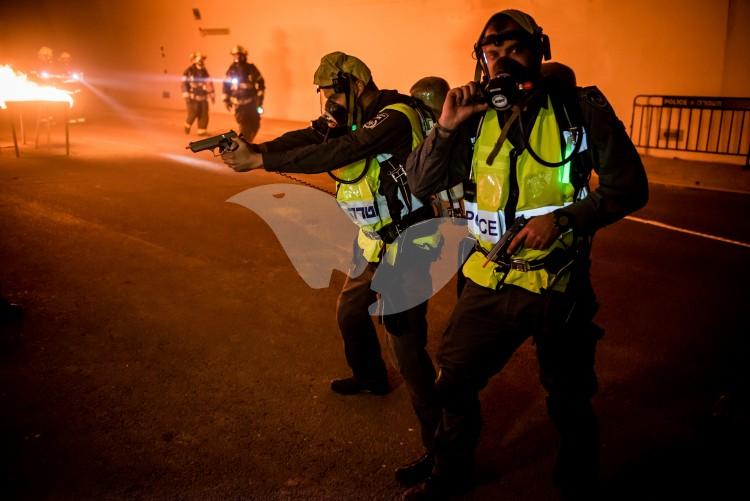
x: 136, y: 50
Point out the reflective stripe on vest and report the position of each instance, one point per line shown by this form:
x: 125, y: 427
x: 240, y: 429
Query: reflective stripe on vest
x: 541, y: 191
x: 363, y: 202
x: 490, y: 225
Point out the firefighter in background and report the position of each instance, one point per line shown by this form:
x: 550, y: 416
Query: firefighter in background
x: 46, y: 61
x: 67, y: 74
x: 244, y: 89
x: 63, y: 61
x: 70, y: 80
x: 45, y: 66
x: 197, y: 88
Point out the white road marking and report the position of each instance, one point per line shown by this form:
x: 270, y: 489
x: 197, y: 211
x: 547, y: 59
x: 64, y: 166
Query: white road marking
x: 689, y: 232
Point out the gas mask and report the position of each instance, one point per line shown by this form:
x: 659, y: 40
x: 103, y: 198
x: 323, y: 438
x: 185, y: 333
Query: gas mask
x: 511, y: 83
x: 322, y: 127
x: 506, y: 81
x: 333, y: 118
x: 335, y: 114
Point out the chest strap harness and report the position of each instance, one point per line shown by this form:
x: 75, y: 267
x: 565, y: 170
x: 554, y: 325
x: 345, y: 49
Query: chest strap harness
x: 391, y: 231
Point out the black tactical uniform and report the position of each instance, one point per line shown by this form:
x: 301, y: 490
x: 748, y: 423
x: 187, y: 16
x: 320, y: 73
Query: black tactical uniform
x: 307, y: 150
x: 310, y: 151
x: 488, y: 325
x: 197, y: 88
x: 244, y: 89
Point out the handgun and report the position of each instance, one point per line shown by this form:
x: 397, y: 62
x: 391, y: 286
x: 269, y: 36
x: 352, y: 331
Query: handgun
x: 222, y: 141
x: 499, y: 251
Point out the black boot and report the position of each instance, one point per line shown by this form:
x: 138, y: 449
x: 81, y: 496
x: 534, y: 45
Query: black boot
x: 577, y: 469
x: 352, y: 386
x: 416, y: 471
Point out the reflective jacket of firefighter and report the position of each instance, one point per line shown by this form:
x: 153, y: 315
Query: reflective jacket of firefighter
x: 197, y: 84
x: 243, y: 85
x: 514, y: 184
x: 380, y: 203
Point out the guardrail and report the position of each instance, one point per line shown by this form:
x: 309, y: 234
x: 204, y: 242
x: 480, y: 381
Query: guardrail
x: 718, y: 125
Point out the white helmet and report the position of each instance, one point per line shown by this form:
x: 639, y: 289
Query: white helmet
x: 45, y: 53
x: 197, y: 57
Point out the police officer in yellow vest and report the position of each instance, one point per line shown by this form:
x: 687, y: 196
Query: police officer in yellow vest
x: 362, y: 139
x: 524, y: 146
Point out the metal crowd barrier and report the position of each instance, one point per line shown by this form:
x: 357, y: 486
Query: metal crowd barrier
x: 719, y: 125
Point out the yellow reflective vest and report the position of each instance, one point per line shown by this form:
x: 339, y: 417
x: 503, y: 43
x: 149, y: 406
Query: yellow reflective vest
x: 364, y: 203
x: 541, y: 190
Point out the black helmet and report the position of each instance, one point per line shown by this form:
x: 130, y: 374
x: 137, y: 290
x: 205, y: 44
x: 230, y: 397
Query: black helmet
x: 431, y: 91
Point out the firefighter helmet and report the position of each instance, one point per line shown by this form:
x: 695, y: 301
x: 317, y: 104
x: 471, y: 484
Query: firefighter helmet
x: 239, y: 49
x: 197, y: 57
x: 44, y: 53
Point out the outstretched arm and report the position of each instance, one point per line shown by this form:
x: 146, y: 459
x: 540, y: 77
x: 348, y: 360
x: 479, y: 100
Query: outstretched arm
x: 289, y: 153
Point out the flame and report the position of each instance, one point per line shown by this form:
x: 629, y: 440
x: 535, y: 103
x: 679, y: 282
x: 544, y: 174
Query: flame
x: 16, y: 87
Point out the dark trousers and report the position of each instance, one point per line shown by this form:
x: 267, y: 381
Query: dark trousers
x: 407, y: 337
x: 199, y: 110
x: 486, y: 328
x: 248, y: 119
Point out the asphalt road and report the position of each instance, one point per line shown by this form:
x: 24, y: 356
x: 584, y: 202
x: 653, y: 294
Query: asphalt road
x: 170, y: 350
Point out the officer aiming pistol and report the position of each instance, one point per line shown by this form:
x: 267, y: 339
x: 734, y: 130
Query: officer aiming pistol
x: 222, y: 141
